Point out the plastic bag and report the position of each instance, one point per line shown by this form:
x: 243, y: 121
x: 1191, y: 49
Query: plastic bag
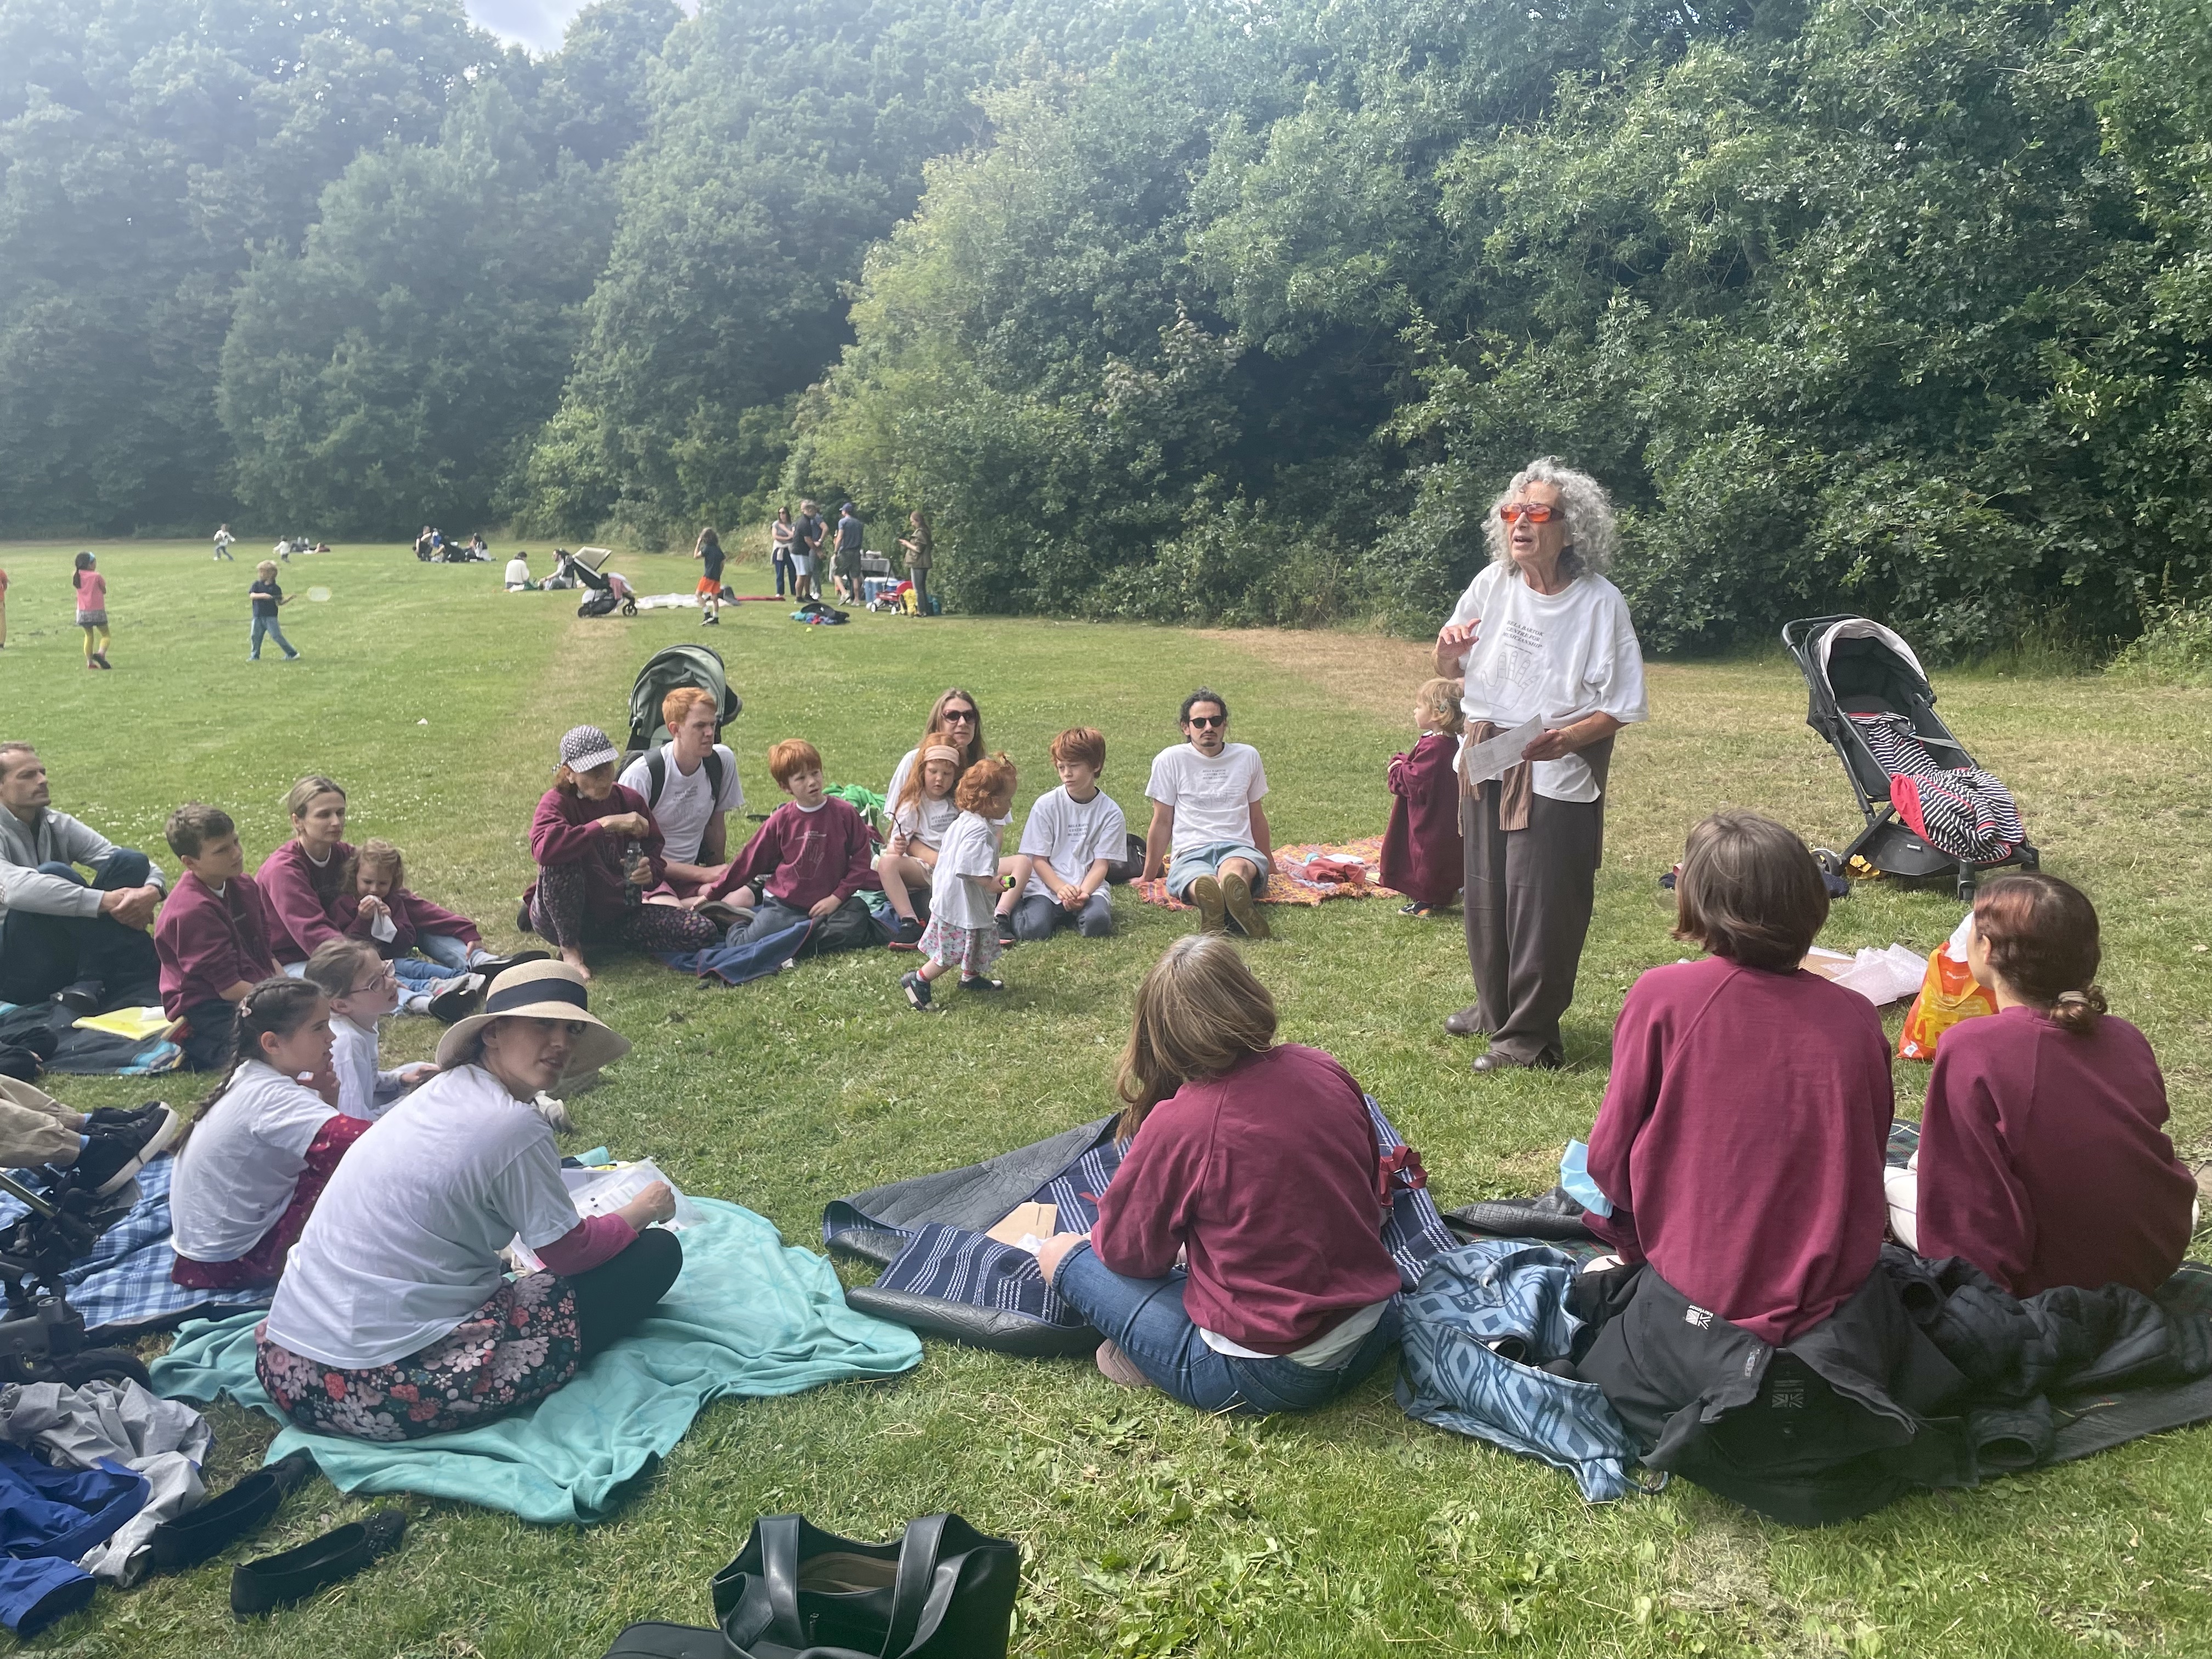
x: 1947, y: 995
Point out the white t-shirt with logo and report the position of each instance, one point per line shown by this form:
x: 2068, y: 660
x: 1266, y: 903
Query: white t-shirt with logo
x: 1212, y: 797
x: 970, y: 848
x: 1564, y: 656
x: 926, y: 820
x: 404, y: 1243
x: 1071, y: 835
x: 686, y: 803
x: 241, y: 1163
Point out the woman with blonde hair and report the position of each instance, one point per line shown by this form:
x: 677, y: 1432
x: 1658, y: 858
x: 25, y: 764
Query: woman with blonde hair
x: 1237, y: 1263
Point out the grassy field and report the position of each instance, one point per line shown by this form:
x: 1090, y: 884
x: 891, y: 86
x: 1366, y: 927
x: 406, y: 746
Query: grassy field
x: 1148, y: 1530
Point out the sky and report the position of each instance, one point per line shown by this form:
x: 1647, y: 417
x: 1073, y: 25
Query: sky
x: 536, y: 24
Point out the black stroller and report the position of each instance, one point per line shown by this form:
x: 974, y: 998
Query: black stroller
x: 41, y: 1336
x: 1853, y: 666
x: 606, y: 592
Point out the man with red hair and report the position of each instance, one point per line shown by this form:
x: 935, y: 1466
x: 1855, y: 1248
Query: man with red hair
x: 691, y: 782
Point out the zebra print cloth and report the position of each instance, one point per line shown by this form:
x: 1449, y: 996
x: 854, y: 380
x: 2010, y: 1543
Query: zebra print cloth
x: 1961, y: 811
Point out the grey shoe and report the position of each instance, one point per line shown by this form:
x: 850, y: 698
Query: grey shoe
x: 1468, y: 1022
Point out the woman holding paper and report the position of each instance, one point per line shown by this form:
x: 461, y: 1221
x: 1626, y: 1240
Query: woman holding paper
x: 1551, y: 666
x: 395, y: 1319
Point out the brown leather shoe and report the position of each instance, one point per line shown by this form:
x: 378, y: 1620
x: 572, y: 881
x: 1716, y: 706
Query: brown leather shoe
x: 1236, y: 898
x: 1213, y: 907
x: 1466, y: 1022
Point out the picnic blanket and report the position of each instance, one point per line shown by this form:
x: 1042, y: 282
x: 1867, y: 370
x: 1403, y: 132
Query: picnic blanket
x: 744, y: 962
x: 53, y: 1033
x: 123, y: 1287
x: 1306, y: 873
x: 749, y: 1316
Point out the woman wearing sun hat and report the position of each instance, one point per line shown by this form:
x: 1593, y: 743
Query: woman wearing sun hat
x: 394, y: 1319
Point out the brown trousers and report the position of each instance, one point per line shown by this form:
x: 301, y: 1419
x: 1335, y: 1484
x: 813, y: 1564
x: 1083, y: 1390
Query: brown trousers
x: 1529, y: 893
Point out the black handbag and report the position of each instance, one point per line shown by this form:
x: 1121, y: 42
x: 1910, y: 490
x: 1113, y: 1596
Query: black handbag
x: 943, y: 1591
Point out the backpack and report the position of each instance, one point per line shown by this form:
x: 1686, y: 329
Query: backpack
x: 656, y: 766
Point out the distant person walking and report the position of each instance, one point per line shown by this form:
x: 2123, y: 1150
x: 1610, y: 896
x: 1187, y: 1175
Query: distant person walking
x: 224, y: 538
x: 91, y: 610
x: 916, y: 544
x: 849, y: 535
x: 268, y: 598
x: 779, y: 535
x: 708, y: 552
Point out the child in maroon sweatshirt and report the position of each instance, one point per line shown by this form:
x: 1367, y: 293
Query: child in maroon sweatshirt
x: 1422, y: 854
x: 809, y: 860
x: 213, y: 936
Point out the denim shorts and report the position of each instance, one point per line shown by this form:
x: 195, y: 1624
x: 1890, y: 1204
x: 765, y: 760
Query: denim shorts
x: 1206, y: 860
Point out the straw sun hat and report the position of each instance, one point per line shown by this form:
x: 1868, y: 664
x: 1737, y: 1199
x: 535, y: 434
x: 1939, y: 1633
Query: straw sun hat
x: 539, y: 990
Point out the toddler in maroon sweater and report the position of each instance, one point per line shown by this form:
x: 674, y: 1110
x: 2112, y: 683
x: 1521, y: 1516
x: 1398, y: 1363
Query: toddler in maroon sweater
x: 1422, y: 856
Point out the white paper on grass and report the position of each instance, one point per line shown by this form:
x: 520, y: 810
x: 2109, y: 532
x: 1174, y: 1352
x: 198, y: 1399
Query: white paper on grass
x: 603, y: 1191
x: 1494, y: 758
x: 1880, y: 976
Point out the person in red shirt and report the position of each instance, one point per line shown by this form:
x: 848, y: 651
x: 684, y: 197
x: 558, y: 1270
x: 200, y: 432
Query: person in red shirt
x: 1742, y: 1138
x: 1238, y: 1262
x: 2043, y: 1158
x: 810, y: 860
x: 213, y: 938
x: 1422, y: 854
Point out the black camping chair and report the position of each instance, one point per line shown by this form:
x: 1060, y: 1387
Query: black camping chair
x: 664, y: 671
x: 1855, y: 666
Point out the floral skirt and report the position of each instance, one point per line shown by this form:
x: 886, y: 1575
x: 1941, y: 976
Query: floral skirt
x: 972, y: 950
x: 511, y: 1352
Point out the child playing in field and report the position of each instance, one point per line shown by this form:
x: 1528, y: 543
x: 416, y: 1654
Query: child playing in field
x: 962, y: 929
x: 91, y: 609
x: 809, y: 861
x: 263, y: 1143
x: 1422, y: 856
x: 268, y: 598
x: 1071, y: 835
x: 920, y: 817
x: 213, y: 938
x: 361, y: 991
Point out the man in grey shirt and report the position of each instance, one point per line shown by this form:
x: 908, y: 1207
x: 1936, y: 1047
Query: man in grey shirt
x: 86, y: 944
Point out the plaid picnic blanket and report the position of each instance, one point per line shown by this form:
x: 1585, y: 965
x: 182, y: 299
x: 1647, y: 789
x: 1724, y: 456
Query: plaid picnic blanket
x: 124, y: 1287
x: 1304, y: 874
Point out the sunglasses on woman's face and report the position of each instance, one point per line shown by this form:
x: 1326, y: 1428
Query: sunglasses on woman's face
x: 966, y: 716
x: 1534, y: 512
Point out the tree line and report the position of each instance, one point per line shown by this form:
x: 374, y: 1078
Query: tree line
x: 1178, y: 310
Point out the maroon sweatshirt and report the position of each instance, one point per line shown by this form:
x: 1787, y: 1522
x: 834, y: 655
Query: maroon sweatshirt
x: 208, y: 941
x: 412, y: 916
x: 1269, y: 1177
x: 800, y: 859
x: 1741, y: 1140
x: 2043, y: 1158
x: 309, y: 904
x: 1421, y: 853
x: 562, y: 833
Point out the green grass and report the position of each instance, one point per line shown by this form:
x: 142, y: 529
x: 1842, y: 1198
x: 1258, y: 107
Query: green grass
x: 1148, y: 1530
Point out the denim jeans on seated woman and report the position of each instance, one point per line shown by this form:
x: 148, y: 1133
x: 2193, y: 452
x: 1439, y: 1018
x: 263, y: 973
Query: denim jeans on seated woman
x: 1144, y: 1318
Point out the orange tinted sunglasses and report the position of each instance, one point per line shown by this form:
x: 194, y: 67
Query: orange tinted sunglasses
x: 1534, y: 512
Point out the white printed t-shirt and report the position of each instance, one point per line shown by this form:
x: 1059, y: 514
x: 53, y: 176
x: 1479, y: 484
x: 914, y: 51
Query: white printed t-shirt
x: 1211, y: 799
x: 1071, y: 835
x: 971, y: 849
x: 685, y: 803
x: 1564, y: 656
x: 926, y: 820
x: 404, y: 1243
x: 241, y: 1163
x: 364, y: 1091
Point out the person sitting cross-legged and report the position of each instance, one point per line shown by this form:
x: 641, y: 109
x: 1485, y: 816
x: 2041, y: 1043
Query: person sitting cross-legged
x: 1071, y: 835
x: 85, y: 943
x: 810, y: 860
x: 690, y: 786
x: 1205, y: 799
x: 213, y: 939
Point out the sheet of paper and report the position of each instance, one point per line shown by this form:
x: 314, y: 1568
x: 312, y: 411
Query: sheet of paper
x: 1026, y: 1221
x: 1496, y: 756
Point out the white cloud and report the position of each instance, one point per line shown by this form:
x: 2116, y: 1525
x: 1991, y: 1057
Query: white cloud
x: 536, y: 24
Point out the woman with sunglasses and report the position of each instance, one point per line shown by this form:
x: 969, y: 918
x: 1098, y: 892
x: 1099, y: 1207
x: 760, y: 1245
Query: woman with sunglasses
x: 955, y: 718
x: 1538, y: 635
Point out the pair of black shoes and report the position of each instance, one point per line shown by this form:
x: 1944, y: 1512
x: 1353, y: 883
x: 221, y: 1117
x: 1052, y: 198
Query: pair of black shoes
x: 119, y: 1142
x: 293, y: 1575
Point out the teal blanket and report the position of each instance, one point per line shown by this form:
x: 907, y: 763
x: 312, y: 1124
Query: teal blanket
x: 749, y: 1315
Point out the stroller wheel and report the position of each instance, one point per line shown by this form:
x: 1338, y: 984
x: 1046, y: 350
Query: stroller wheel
x: 102, y: 1365
x: 1967, y: 885
x: 1830, y: 860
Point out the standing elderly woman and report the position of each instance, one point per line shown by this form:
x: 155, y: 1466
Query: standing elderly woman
x: 395, y: 1318
x: 1538, y: 635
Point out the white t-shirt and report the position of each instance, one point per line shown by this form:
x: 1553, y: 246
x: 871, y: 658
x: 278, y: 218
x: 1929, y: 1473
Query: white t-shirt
x: 1564, y: 656
x: 1071, y: 835
x: 1211, y: 799
x: 242, y: 1163
x: 1326, y: 1353
x: 404, y: 1243
x: 685, y: 802
x: 970, y: 848
x: 926, y: 820
x: 364, y: 1092
x: 518, y: 573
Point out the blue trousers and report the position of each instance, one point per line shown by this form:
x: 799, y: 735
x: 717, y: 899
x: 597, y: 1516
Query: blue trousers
x: 1144, y: 1318
x: 40, y: 954
x: 1038, y: 914
x: 267, y: 625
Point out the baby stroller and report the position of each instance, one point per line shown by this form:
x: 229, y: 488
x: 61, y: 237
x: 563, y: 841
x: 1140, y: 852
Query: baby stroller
x: 41, y: 1336
x: 606, y: 592
x: 666, y: 670
x: 1930, y: 812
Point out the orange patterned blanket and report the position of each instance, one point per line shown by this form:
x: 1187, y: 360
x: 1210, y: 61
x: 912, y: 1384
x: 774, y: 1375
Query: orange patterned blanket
x: 1304, y: 874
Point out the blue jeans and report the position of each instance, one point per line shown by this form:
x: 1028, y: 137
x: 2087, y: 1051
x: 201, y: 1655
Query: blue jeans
x: 451, y: 955
x: 1039, y: 915
x: 419, y: 973
x: 1144, y: 1318
x: 1187, y: 866
x: 42, y: 954
x: 267, y: 625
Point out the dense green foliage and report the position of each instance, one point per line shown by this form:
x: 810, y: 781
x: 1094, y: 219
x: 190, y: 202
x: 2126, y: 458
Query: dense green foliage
x: 1168, y: 309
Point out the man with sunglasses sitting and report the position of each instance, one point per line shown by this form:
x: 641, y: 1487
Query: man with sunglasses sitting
x: 1205, y: 807
x: 1538, y: 635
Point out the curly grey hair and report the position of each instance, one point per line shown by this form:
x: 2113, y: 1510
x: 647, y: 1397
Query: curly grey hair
x: 1591, y: 537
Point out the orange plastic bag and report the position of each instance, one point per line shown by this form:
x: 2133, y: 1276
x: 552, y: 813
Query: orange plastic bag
x: 1947, y: 995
